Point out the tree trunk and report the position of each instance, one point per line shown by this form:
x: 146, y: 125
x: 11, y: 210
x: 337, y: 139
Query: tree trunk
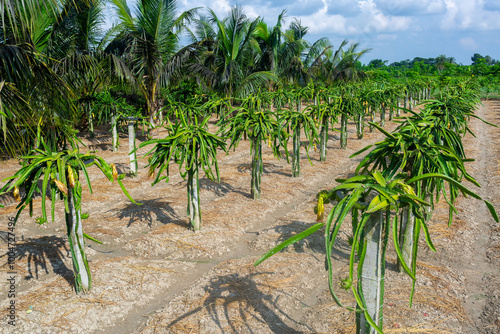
x: 323, y: 139
x: 193, y: 189
x: 343, y: 131
x: 372, y: 271
x: 296, y: 152
x: 77, y: 244
x: 131, y: 148
x: 155, y: 107
x: 256, y: 167
x: 114, y: 130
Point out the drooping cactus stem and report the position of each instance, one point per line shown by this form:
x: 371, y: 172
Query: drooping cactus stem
x: 76, y: 241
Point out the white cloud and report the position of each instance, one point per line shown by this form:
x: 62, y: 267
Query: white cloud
x: 386, y: 37
x: 220, y: 7
x: 434, y: 7
x: 470, y: 15
x: 411, y: 7
x: 370, y: 19
x: 399, y: 28
x: 468, y: 43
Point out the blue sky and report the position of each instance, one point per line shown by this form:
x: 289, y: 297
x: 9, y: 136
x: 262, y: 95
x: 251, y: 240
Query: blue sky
x: 394, y: 29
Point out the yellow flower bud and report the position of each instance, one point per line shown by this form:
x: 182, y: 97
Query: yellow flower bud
x: 71, y: 177
x: 321, y: 209
x: 151, y: 172
x: 62, y: 188
x: 16, y: 194
x: 115, y: 172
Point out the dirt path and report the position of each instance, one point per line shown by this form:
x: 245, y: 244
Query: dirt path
x: 154, y: 275
x: 484, y: 300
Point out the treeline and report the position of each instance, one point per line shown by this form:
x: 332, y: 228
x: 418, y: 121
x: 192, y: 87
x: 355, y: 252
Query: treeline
x: 62, y: 70
x: 441, y: 65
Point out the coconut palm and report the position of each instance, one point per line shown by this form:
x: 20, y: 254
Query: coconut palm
x: 340, y: 65
x: 27, y: 77
x: 229, y: 62
x: 299, y: 57
x: 272, y: 53
x: 150, y: 42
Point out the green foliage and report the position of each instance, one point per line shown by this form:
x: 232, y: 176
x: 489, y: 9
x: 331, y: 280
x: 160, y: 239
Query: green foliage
x: 60, y: 179
x: 189, y: 144
x: 255, y: 121
x: 292, y: 120
x: 59, y: 172
x: 423, y: 159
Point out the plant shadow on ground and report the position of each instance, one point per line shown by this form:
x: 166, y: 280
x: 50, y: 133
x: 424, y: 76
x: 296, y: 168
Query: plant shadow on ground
x: 235, y: 299
x: 220, y: 188
x: 8, y: 198
x: 101, y: 141
x: 267, y: 168
x: 314, y: 243
x: 42, y: 252
x: 161, y: 209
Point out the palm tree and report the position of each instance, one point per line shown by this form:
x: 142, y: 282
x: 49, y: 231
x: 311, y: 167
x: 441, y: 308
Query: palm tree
x: 150, y: 43
x: 341, y: 65
x: 228, y: 63
x: 27, y: 76
x: 298, y: 56
x: 270, y: 42
x: 74, y: 40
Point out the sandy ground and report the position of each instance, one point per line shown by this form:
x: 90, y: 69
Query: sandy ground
x: 154, y: 275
